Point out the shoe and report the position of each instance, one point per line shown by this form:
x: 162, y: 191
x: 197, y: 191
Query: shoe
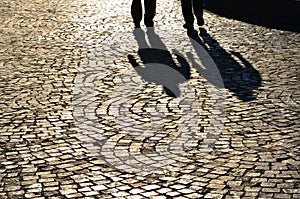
x: 190, y: 29
x: 202, y: 31
x: 200, y: 22
x: 137, y: 25
x: 188, y: 26
x: 192, y: 33
x: 149, y: 23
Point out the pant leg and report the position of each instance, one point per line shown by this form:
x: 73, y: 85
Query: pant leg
x: 136, y: 12
x: 150, y: 11
x: 198, y: 11
x: 186, y: 6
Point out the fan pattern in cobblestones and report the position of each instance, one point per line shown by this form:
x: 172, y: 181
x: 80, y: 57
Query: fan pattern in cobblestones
x: 136, y: 126
x: 43, y: 45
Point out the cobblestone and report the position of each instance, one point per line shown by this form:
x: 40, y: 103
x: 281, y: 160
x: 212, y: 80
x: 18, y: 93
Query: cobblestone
x: 48, y: 131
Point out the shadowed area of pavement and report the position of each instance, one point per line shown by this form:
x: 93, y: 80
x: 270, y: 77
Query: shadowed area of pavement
x: 279, y: 14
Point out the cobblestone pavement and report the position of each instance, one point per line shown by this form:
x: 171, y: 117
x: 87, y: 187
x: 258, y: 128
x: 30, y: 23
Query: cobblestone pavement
x: 78, y: 121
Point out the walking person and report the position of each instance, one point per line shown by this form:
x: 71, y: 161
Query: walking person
x: 189, y: 9
x: 137, y: 12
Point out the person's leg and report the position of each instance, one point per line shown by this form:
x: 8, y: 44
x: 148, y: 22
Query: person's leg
x: 198, y: 11
x: 150, y: 9
x: 186, y: 6
x: 136, y: 12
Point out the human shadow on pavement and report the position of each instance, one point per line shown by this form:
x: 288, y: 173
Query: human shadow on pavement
x: 158, y: 65
x: 238, y: 75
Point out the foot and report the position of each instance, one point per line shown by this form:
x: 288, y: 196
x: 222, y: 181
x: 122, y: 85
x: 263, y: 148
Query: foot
x: 202, y: 31
x: 149, y: 23
x: 188, y: 26
x: 137, y: 25
x: 200, y: 21
x: 192, y: 33
x: 190, y: 29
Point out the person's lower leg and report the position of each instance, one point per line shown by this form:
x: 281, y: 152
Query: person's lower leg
x: 186, y: 6
x: 150, y: 10
x: 198, y: 11
x: 136, y: 12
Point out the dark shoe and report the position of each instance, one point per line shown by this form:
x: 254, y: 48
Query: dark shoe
x: 149, y: 23
x: 188, y: 26
x: 192, y: 33
x: 202, y: 31
x: 200, y: 22
x: 190, y: 30
x: 137, y: 25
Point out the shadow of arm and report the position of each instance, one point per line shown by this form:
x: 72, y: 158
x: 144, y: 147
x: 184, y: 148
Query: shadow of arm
x: 194, y: 63
x: 242, y: 59
x: 132, y: 60
x: 184, y: 68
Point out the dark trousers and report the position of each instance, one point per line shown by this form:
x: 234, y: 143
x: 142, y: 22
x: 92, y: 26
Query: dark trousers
x: 137, y: 11
x: 190, y: 7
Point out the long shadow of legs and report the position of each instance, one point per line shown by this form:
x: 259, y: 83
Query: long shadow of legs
x: 158, y: 65
x: 239, y: 77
